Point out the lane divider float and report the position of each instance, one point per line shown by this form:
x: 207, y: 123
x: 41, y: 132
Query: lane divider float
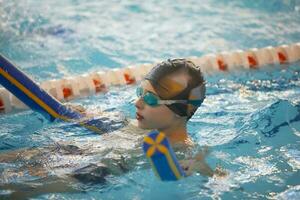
x: 70, y: 88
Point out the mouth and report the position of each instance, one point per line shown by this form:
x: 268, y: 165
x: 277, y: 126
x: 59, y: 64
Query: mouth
x: 139, y: 117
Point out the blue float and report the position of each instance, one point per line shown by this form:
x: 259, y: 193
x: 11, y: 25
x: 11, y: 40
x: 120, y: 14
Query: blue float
x: 26, y: 90
x: 162, y: 157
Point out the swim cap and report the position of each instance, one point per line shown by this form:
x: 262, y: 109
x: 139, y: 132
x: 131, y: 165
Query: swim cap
x: 178, y: 79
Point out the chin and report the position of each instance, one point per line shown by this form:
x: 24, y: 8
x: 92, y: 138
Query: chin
x: 142, y: 125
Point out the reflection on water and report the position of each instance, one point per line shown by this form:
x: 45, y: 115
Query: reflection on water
x: 249, y: 119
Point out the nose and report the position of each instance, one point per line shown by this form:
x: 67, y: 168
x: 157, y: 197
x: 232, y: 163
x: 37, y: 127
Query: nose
x: 139, y: 103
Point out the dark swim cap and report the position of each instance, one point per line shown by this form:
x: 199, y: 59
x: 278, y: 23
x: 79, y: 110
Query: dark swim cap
x: 178, y: 79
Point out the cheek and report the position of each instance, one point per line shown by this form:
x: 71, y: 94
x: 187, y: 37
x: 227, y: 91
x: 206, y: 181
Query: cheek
x: 159, y: 117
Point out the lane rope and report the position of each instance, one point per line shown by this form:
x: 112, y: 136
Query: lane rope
x: 70, y: 88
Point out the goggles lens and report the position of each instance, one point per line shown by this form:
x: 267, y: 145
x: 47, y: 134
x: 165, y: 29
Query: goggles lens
x: 148, y: 97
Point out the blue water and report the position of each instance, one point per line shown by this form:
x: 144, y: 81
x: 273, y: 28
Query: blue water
x: 250, y: 119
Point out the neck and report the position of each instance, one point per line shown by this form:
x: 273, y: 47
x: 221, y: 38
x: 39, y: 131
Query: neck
x: 176, y: 134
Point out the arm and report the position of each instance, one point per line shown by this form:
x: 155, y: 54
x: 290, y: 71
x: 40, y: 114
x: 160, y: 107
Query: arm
x: 29, y: 190
x: 198, y: 164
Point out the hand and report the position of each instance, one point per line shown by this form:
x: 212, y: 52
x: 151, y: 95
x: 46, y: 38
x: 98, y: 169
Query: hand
x: 187, y: 166
x: 219, y: 172
x: 76, y: 107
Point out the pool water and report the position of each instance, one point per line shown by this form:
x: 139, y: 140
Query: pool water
x: 250, y: 119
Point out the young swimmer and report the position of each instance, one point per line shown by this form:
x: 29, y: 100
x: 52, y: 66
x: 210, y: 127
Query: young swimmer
x: 167, y: 98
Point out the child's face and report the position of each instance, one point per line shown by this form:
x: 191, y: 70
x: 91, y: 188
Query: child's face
x: 158, y: 117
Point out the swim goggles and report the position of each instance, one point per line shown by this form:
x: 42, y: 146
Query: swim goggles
x: 153, y: 100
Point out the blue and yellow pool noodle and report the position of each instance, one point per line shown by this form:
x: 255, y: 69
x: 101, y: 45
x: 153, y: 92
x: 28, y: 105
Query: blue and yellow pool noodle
x: 162, y: 157
x: 26, y: 90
